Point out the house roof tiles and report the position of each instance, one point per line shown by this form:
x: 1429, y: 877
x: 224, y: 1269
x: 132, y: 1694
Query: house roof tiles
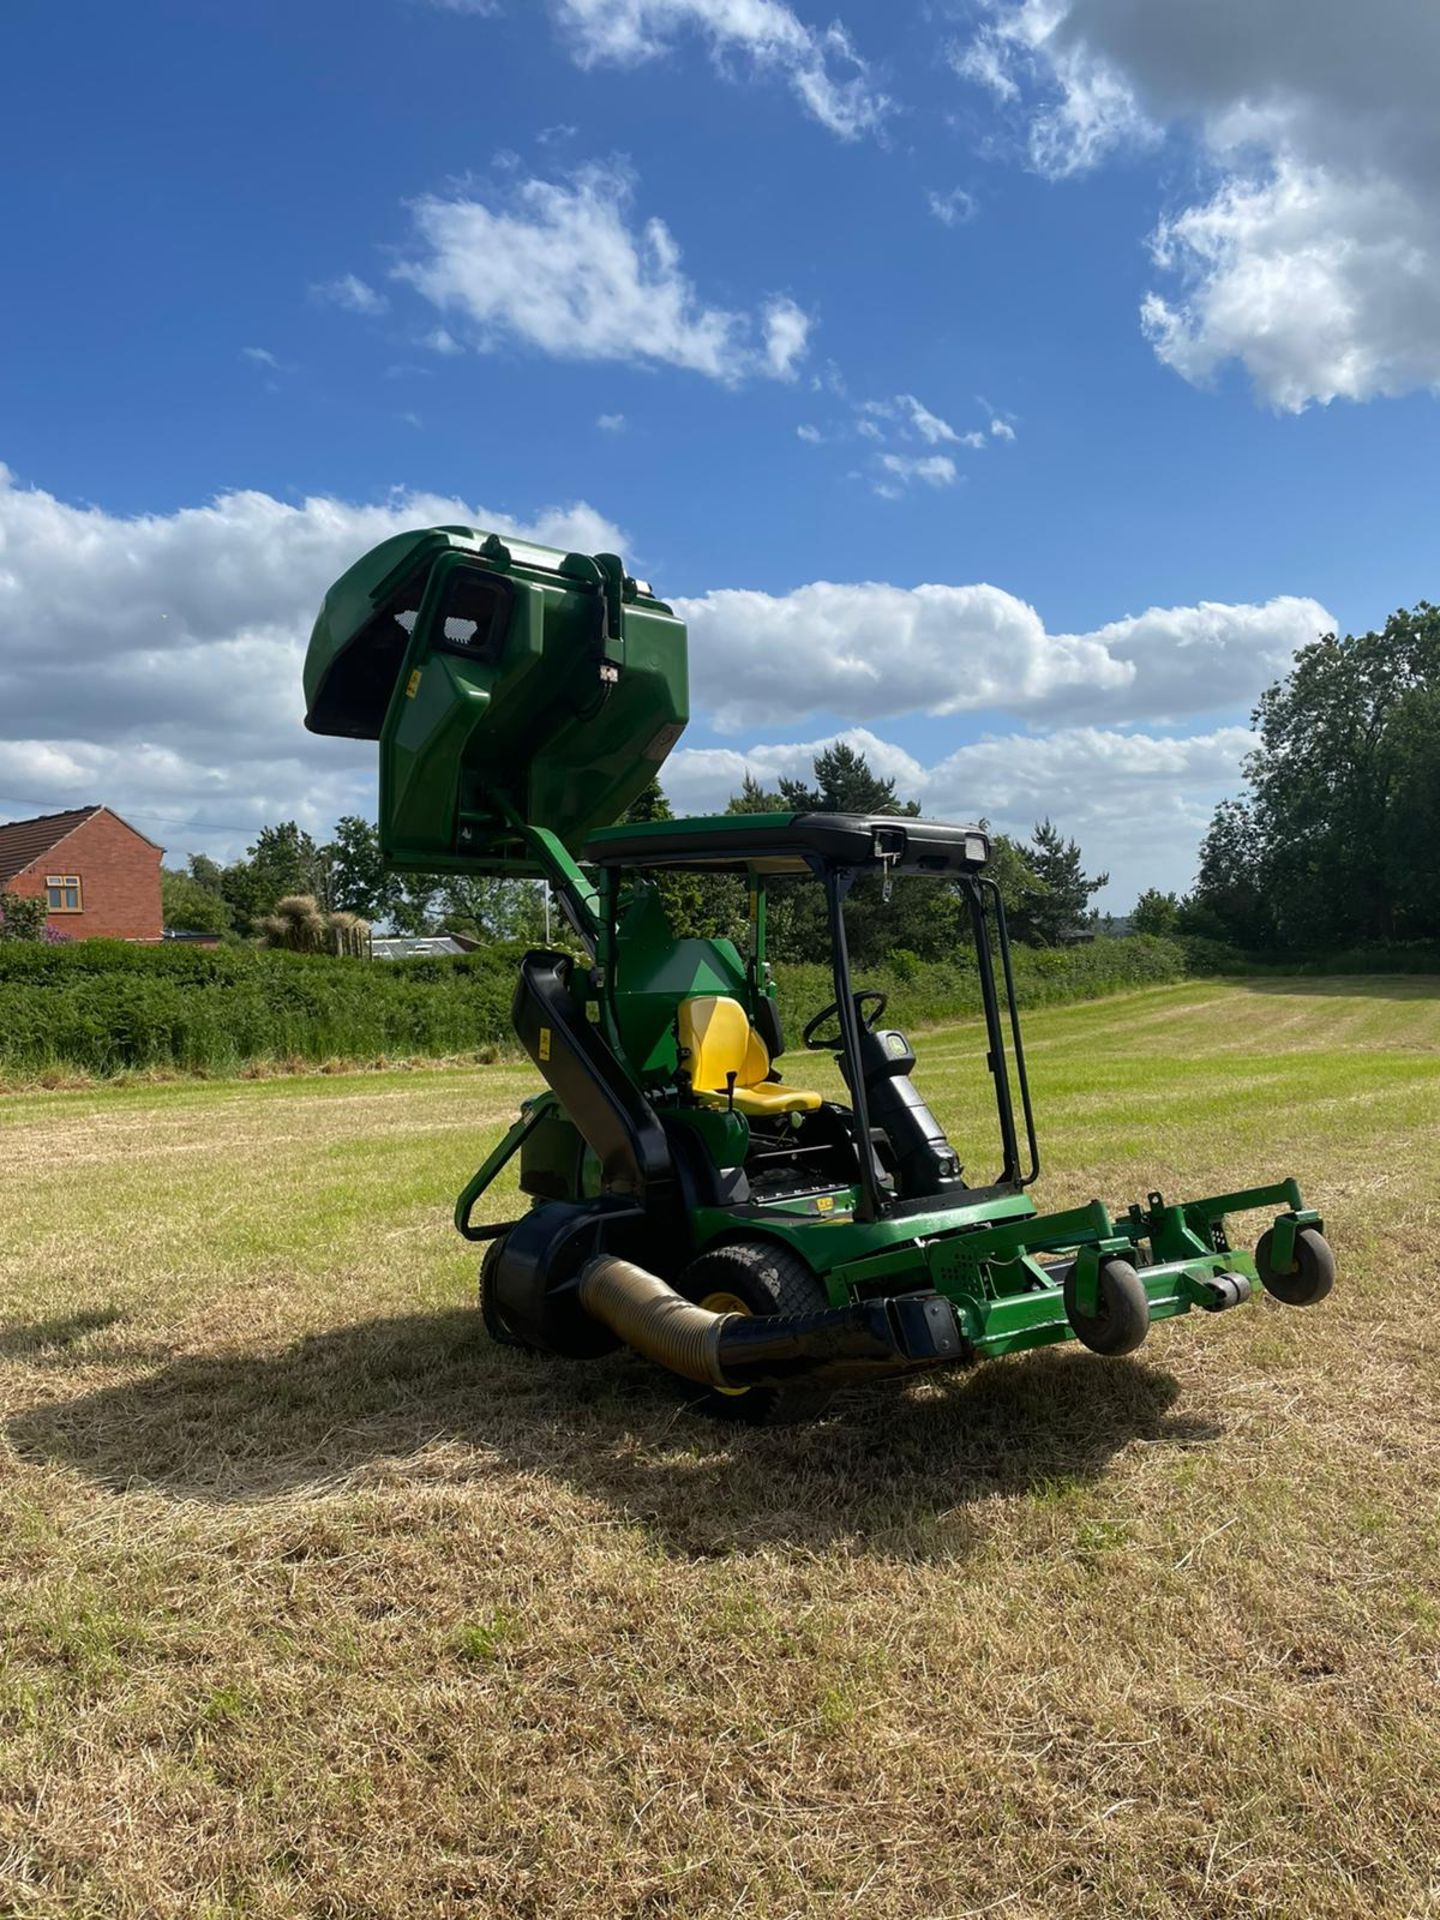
x: 23, y: 842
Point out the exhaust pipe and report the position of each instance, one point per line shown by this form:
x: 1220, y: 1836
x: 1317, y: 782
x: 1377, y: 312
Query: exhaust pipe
x: 899, y: 1335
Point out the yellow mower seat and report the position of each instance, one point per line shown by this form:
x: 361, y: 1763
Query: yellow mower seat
x: 716, y: 1040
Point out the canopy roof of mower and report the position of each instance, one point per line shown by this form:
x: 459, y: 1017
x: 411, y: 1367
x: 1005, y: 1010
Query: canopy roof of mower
x: 780, y: 843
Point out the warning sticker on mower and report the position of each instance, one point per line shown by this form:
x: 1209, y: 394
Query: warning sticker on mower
x: 544, y: 1043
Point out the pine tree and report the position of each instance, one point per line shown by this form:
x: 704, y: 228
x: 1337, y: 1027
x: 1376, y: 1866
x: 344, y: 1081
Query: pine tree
x: 1058, y: 907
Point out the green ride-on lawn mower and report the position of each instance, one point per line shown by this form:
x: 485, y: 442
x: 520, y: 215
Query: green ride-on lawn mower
x: 758, y: 1238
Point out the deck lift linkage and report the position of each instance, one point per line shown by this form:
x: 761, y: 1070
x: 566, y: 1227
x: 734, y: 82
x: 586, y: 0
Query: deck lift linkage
x: 762, y: 1240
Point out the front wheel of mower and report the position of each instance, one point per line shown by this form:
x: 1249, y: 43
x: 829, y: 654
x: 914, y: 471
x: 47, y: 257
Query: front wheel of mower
x: 1311, y: 1273
x: 1122, y: 1317
x: 757, y: 1277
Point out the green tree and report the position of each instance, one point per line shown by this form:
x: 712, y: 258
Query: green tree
x: 1330, y: 846
x: 1058, y: 905
x: 284, y: 861
x: 415, y: 903
x: 359, y: 881
x: 488, y: 908
x: 753, y: 798
x: 844, y: 783
x: 921, y: 917
x: 1232, y: 899
x: 1411, y: 852
x: 189, y: 906
x: 206, y: 872
x: 697, y: 906
x: 1011, y: 871
x: 1155, y: 912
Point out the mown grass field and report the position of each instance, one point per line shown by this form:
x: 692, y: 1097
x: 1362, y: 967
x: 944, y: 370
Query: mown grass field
x: 316, y: 1604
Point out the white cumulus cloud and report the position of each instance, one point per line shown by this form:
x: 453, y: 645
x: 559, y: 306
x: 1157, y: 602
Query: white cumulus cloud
x: 562, y: 267
x: 1313, y: 260
x: 876, y: 649
x: 821, y: 65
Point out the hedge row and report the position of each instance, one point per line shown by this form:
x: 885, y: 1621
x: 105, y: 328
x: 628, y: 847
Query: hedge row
x: 105, y: 1007
x: 102, y: 1007
x: 923, y: 993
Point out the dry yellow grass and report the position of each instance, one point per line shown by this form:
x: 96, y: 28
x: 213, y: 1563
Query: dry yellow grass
x: 316, y: 1604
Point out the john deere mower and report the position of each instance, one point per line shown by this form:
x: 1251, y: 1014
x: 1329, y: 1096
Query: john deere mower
x: 686, y: 1190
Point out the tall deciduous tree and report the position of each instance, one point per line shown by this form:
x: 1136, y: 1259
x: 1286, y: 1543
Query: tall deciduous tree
x: 1412, y: 839
x: 283, y: 861
x: 190, y: 907
x: 488, y: 908
x: 359, y: 880
x: 1155, y: 912
x: 1335, y: 843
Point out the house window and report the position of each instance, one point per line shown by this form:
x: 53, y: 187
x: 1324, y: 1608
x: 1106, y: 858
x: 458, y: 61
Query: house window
x: 63, y: 891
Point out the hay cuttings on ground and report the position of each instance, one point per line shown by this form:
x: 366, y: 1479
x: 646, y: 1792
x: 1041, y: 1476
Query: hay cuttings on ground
x: 317, y: 1604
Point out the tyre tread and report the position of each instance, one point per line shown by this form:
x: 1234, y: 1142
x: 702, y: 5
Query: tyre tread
x: 762, y: 1271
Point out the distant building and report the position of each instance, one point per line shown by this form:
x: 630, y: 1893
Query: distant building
x: 95, y: 873
x: 406, y: 946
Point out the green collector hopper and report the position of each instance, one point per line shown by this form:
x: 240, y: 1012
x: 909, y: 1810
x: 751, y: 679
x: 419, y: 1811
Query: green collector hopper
x: 510, y: 686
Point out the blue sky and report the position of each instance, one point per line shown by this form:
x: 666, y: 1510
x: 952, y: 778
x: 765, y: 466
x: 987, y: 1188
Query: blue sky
x: 281, y: 277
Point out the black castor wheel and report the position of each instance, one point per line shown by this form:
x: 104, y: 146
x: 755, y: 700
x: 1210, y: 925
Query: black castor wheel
x: 1122, y: 1317
x: 1310, y: 1275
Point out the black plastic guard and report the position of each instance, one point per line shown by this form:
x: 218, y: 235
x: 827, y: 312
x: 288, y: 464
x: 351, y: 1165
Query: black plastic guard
x: 594, y: 1090
x: 537, y: 1274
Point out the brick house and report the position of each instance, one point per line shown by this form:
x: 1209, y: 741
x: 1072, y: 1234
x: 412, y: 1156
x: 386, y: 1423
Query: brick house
x: 94, y: 871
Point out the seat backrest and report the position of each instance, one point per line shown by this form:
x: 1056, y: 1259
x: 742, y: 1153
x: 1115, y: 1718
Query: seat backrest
x: 716, y: 1040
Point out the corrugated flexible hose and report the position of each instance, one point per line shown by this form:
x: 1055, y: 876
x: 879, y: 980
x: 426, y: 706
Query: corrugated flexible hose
x: 649, y: 1315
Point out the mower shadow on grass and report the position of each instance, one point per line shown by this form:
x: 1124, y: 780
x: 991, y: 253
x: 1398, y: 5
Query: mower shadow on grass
x: 427, y: 1397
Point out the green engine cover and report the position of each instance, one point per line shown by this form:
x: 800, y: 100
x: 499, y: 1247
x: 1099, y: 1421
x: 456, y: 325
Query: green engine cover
x: 508, y: 685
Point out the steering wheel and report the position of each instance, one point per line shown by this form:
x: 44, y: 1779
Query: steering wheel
x: 869, y: 1006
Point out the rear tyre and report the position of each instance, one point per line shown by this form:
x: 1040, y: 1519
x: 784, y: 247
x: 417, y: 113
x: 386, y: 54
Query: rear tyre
x: 1122, y: 1317
x: 496, y: 1324
x: 757, y: 1277
x: 1312, y: 1268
